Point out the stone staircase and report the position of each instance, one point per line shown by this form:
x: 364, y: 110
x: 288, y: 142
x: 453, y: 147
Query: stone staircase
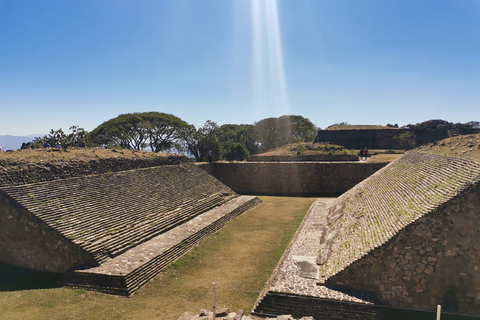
x: 109, y: 214
x: 372, y: 212
x: 112, y: 215
x: 124, y: 274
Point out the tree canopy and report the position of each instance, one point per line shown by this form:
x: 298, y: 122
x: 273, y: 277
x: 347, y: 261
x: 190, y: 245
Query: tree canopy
x: 156, y: 130
x: 275, y: 132
x: 238, y: 141
x: 199, y: 141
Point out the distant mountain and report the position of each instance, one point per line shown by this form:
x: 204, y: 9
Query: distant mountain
x: 13, y: 142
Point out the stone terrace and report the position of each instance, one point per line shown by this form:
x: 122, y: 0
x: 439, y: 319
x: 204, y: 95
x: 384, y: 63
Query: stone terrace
x: 124, y: 274
x: 375, y: 210
x: 109, y: 214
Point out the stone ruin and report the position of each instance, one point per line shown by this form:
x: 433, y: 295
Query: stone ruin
x: 113, y: 232
x: 407, y: 237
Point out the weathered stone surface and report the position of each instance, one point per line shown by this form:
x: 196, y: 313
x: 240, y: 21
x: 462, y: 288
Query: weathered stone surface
x: 290, y: 178
x: 221, y: 312
x: 239, y: 315
x: 432, y: 208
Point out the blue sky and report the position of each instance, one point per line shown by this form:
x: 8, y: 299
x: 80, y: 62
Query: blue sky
x: 82, y: 62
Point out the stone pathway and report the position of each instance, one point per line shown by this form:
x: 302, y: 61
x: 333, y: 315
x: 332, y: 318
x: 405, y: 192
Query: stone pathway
x: 297, y: 271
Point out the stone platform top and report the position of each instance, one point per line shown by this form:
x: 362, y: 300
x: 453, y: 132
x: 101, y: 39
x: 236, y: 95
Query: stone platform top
x: 372, y: 212
x: 111, y: 213
x: 297, y: 271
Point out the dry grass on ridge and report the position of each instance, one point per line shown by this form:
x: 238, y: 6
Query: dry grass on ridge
x: 306, y: 149
x: 463, y: 146
x: 239, y: 258
x: 77, y: 154
x: 358, y: 127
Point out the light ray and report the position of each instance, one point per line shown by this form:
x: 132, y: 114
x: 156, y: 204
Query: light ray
x: 269, y: 81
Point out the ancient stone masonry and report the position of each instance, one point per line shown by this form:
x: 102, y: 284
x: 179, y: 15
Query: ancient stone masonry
x: 370, y: 138
x: 406, y: 237
x: 292, y: 178
x: 409, y: 234
x: 106, y: 215
x: 113, y: 232
x: 18, y: 173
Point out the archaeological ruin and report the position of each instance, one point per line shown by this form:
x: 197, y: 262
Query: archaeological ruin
x: 406, y: 237
x: 112, y: 232
x: 399, y: 235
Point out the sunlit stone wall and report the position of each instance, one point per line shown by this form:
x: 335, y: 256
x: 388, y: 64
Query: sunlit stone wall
x: 292, y: 178
x: 435, y: 260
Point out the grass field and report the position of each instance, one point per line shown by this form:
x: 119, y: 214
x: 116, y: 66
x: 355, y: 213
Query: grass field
x: 239, y: 259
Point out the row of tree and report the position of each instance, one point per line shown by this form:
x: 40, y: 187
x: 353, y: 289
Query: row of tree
x: 161, y: 132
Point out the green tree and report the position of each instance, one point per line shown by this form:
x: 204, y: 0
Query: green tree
x: 406, y: 138
x: 275, y: 132
x: 59, y: 136
x: 302, y: 129
x: 209, y: 140
x: 237, y: 141
x: 190, y: 141
x: 199, y: 141
x: 158, y: 131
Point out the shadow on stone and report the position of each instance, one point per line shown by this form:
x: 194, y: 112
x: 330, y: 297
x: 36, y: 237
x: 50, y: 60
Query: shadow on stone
x: 14, y: 278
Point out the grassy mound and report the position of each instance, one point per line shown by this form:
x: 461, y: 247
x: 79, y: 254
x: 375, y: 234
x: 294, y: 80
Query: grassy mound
x: 40, y: 156
x: 308, y: 149
x: 358, y: 127
x: 464, y: 146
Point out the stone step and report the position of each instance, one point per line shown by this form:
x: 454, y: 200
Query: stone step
x: 127, y: 272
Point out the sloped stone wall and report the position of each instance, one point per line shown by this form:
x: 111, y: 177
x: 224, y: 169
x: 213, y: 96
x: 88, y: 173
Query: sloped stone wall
x: 108, y: 214
x: 103, y: 215
x: 19, y: 173
x: 374, y: 211
x: 27, y: 242
x: 435, y: 260
x: 292, y: 178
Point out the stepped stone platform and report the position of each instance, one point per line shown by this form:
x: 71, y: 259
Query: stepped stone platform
x: 96, y: 221
x: 407, y: 237
x: 127, y: 272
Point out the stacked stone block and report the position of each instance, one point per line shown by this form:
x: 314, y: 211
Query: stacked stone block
x: 21, y: 172
x: 105, y: 215
x: 410, y: 234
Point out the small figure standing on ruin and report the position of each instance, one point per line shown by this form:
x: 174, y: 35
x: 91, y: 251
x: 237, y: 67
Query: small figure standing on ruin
x: 47, y: 144
x: 58, y: 145
x: 361, y: 154
x: 365, y: 153
x: 209, y: 156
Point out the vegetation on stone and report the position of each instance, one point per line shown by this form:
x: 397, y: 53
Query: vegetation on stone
x: 304, y: 149
x: 462, y: 146
x: 376, y: 209
x: 107, y: 214
x: 37, y: 165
